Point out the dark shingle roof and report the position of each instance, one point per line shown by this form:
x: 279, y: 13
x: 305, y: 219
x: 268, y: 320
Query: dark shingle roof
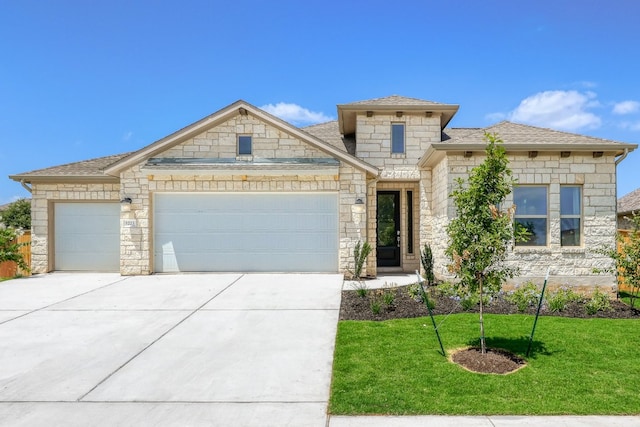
x: 629, y: 202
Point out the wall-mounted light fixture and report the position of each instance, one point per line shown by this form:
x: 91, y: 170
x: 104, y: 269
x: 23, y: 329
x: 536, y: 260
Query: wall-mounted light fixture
x: 369, y: 113
x: 533, y: 154
x: 565, y: 154
x: 468, y: 154
x: 428, y: 114
x: 398, y: 113
x: 126, y: 200
x: 358, y: 206
x: 597, y: 154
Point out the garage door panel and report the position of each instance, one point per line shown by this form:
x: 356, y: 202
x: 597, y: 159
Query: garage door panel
x: 246, y: 232
x: 87, y: 236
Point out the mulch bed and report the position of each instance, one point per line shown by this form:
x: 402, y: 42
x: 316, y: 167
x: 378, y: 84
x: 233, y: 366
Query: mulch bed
x: 495, y: 361
x: 354, y: 306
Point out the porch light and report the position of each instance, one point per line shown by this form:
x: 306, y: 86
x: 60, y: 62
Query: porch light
x: 126, y: 200
x: 358, y: 206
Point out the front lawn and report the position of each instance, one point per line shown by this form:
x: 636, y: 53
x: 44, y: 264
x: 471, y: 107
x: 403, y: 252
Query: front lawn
x: 578, y: 366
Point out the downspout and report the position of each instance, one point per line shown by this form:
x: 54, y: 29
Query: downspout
x: 26, y: 187
x: 622, y: 157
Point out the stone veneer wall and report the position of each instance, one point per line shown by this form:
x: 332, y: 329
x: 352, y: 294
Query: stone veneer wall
x: 267, y: 142
x: 569, y: 265
x: 41, y: 208
x: 374, y: 139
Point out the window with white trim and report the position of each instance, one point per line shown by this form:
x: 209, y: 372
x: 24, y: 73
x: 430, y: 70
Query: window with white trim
x: 570, y: 215
x: 397, y: 138
x: 532, y: 213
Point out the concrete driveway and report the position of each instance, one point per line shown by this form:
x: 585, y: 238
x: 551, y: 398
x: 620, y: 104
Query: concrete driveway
x: 194, y: 349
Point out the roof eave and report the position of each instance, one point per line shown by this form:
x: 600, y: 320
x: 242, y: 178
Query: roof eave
x: 348, y: 112
x: 430, y: 156
x: 63, y: 179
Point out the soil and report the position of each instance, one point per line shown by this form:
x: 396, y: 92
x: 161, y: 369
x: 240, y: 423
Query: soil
x: 372, y: 306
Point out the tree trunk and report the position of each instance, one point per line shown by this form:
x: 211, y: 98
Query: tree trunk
x: 483, y: 346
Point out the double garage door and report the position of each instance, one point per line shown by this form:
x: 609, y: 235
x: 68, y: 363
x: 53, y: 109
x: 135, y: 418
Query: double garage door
x: 276, y: 232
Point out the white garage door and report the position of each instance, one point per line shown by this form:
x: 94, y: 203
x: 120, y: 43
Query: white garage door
x: 270, y: 232
x: 87, y: 236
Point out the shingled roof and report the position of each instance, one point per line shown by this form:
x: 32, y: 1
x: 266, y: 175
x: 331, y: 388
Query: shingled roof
x: 395, y: 100
x: 86, y: 169
x: 330, y: 133
x: 529, y: 137
x: 629, y: 202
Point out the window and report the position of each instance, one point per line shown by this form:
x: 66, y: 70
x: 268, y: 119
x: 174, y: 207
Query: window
x: 570, y: 215
x: 397, y: 138
x: 410, y: 222
x: 244, y: 145
x: 531, y: 213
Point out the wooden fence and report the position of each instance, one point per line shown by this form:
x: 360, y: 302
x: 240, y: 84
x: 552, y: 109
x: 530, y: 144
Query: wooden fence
x: 9, y: 268
x: 626, y: 235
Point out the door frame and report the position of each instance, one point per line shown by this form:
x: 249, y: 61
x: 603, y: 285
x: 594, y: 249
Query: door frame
x: 390, y: 256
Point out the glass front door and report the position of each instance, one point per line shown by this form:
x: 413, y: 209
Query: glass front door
x: 388, y: 230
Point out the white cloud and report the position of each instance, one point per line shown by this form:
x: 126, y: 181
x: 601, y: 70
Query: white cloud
x: 127, y: 135
x: 295, y: 114
x: 558, y: 109
x: 626, y: 107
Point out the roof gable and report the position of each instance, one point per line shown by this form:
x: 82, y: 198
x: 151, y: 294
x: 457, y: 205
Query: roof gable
x: 238, y: 108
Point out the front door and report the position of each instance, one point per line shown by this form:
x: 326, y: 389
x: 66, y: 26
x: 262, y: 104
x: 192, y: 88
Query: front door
x: 388, y: 231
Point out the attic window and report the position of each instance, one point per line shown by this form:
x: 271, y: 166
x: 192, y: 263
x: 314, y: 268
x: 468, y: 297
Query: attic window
x: 244, y: 145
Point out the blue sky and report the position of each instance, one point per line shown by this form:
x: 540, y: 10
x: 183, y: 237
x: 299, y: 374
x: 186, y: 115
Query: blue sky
x: 84, y: 79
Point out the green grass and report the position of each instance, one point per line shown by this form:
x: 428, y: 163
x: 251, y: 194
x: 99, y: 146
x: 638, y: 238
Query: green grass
x: 577, y: 366
x: 625, y: 297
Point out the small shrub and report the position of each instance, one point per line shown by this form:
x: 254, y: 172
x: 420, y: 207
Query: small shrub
x: 599, y: 301
x: 361, y: 288
x: 524, y: 297
x: 559, y: 300
x: 376, y: 305
x: 388, y: 297
x: 469, y: 302
x: 360, y: 253
x: 414, y: 292
x: 426, y: 257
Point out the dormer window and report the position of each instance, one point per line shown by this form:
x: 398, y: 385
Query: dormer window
x: 397, y: 138
x: 244, y: 145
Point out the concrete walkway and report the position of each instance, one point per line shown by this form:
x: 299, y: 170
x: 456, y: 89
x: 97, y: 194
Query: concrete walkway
x: 183, y: 350
x: 186, y: 350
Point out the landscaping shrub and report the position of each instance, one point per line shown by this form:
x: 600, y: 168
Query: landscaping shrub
x: 558, y: 300
x: 599, y: 301
x: 524, y: 296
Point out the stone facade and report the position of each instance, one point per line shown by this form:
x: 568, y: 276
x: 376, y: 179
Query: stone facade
x: 569, y: 265
x: 43, y: 197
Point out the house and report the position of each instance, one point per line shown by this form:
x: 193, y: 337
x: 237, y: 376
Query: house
x: 627, y: 206
x: 241, y: 190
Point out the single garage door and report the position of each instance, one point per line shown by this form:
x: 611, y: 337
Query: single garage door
x: 87, y: 236
x: 269, y: 232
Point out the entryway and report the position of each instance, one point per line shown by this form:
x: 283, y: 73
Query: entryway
x: 388, y: 229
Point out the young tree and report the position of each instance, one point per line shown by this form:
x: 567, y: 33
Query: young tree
x: 17, y: 215
x: 10, y: 248
x: 627, y: 258
x: 482, y: 233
